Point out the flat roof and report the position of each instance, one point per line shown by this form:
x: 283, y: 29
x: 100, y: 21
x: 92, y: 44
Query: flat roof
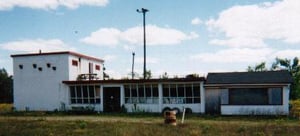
x: 58, y: 53
x: 128, y: 81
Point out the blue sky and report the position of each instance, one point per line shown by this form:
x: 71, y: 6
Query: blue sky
x: 183, y: 37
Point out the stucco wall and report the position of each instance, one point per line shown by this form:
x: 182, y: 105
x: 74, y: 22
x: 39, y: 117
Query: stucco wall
x: 36, y: 89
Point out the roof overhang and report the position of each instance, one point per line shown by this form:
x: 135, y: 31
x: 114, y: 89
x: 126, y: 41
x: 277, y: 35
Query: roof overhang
x: 246, y: 85
x: 130, y: 81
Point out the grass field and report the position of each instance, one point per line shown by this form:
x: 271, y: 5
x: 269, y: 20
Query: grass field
x: 144, y: 125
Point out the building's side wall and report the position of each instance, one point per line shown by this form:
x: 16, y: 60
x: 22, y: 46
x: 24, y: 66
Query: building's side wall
x: 259, y: 109
x: 39, y: 88
x: 83, y: 67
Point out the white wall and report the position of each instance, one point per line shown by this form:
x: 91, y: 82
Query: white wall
x: 39, y: 90
x: 83, y: 67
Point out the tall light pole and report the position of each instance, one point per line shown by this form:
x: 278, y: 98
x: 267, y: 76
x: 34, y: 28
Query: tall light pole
x: 142, y: 10
x: 132, y: 68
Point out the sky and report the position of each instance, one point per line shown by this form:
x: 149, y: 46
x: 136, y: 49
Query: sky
x: 183, y: 37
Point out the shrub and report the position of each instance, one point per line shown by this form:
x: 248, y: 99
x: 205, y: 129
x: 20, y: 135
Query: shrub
x: 295, y: 108
x: 6, y: 108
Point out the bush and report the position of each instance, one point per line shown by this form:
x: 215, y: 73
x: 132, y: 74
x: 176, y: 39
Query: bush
x: 295, y: 108
x: 6, y: 108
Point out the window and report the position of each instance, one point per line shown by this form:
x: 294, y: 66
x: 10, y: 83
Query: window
x: 21, y: 66
x: 141, y: 93
x: 48, y: 65
x: 181, y: 93
x: 255, y: 96
x: 83, y: 94
x: 97, y: 67
x: 34, y: 66
x: 75, y: 63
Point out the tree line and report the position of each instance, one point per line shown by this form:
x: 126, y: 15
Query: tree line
x: 6, y: 87
x: 291, y: 65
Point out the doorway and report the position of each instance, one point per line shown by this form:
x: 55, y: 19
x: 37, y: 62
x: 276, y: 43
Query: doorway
x: 111, y: 99
x: 212, y: 101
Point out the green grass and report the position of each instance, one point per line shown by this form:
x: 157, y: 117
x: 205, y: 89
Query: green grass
x: 145, y: 125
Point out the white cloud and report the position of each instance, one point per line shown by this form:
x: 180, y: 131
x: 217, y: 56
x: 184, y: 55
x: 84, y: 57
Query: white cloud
x: 234, y: 55
x: 36, y: 45
x: 250, y: 25
x: 244, y: 55
x: 49, y: 4
x: 103, y: 37
x: 154, y: 36
x: 196, y: 21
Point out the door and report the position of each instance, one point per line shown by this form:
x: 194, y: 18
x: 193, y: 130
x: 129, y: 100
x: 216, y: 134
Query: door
x: 212, y: 101
x: 111, y: 99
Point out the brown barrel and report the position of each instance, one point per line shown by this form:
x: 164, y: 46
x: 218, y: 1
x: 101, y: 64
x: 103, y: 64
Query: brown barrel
x: 170, y: 117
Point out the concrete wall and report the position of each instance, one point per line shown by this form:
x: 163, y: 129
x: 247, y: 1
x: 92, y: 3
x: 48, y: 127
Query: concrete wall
x: 36, y: 89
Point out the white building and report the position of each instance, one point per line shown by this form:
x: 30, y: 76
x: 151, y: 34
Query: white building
x: 38, y: 77
x: 69, y: 81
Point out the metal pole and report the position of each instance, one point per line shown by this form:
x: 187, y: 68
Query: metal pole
x: 132, y: 68
x: 144, y: 26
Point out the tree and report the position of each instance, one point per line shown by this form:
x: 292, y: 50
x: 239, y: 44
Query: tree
x: 6, y: 87
x: 283, y: 64
x: 293, y: 67
x: 148, y: 74
x: 164, y: 76
x: 259, y: 67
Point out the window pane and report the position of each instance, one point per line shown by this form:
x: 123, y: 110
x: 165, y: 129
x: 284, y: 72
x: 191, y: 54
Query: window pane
x: 180, y: 90
x: 196, y: 90
x: 275, y: 96
x: 173, y: 90
x: 189, y: 100
x: 166, y: 90
x: 73, y: 101
x: 98, y: 100
x: 85, y: 101
x: 197, y: 100
x: 141, y: 91
x: 133, y: 91
x: 85, y: 92
x: 97, y: 89
x: 224, y: 96
x: 91, y: 91
x: 78, y: 91
x: 148, y: 90
x: 248, y: 96
x: 155, y: 90
x: 92, y: 101
x: 72, y: 91
x: 127, y: 90
x: 188, y: 90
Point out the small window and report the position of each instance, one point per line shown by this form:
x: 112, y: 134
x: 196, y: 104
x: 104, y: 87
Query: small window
x: 97, y: 67
x: 34, y: 65
x: 40, y: 69
x: 21, y: 66
x: 48, y: 65
x: 74, y: 62
x: 54, y: 68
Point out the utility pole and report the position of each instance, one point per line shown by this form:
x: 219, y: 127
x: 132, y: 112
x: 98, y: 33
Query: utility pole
x: 143, y: 10
x: 132, y: 68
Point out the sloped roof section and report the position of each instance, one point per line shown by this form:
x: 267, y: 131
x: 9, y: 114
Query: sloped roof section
x: 250, y: 77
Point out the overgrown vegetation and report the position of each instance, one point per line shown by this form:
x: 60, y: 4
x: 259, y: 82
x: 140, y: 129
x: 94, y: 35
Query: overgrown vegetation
x: 131, y: 125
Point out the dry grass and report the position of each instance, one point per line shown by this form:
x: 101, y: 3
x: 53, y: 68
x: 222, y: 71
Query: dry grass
x: 130, y: 125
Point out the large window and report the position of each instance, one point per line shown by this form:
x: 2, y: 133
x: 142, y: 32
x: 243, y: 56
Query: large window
x: 85, y: 94
x: 181, y: 93
x: 254, y: 96
x: 141, y: 93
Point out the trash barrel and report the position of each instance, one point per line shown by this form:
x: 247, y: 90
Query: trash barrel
x: 170, y: 117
